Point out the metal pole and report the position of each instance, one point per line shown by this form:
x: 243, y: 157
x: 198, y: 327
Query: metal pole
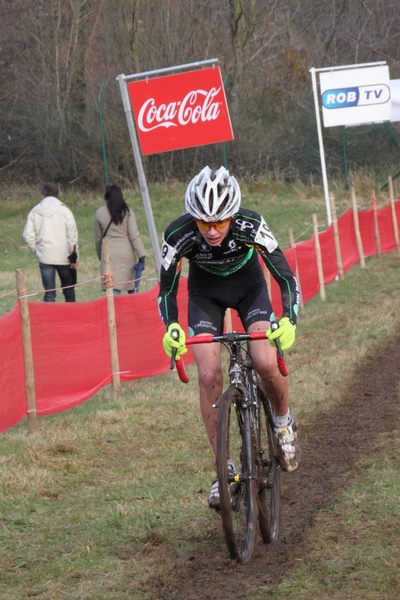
x: 224, y: 157
x: 141, y: 176
x: 357, y: 66
x: 201, y: 63
x: 103, y: 145
x: 321, y: 147
x: 345, y: 163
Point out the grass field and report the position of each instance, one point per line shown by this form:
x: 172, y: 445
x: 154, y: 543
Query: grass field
x: 109, y: 501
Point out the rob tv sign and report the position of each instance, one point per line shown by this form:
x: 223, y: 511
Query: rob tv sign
x: 180, y: 111
x: 356, y: 96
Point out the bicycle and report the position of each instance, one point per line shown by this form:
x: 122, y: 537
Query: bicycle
x: 245, y: 435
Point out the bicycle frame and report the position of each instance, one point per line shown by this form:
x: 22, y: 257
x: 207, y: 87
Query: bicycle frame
x: 253, y: 494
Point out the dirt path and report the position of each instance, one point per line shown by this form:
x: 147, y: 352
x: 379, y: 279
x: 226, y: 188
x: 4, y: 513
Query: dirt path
x: 332, y: 445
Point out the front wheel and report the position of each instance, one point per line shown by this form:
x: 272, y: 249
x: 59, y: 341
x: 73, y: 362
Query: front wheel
x: 269, y: 491
x: 238, y: 494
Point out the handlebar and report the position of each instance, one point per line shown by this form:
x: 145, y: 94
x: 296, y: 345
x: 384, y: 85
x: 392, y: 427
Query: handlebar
x: 229, y: 337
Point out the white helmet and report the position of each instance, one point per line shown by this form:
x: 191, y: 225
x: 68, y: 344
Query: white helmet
x: 213, y: 195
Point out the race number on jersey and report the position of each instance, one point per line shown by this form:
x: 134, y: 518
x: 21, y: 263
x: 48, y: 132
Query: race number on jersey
x: 167, y: 254
x: 265, y: 238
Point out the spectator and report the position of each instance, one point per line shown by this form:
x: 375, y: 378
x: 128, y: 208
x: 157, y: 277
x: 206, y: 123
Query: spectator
x: 52, y: 236
x: 117, y: 221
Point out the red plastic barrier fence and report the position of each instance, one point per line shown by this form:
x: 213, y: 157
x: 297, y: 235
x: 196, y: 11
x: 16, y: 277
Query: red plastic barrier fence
x: 12, y: 380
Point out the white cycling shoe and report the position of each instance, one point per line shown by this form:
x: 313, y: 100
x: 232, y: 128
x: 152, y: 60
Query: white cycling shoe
x: 213, y: 499
x: 288, y: 447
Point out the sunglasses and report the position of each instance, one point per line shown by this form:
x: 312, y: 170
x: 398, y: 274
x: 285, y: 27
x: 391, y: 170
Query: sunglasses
x: 218, y: 225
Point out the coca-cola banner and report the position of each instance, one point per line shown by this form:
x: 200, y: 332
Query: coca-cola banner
x: 180, y: 111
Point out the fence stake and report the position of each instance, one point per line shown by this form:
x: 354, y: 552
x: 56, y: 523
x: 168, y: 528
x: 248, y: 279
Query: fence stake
x: 112, y: 328
x: 27, y: 350
x: 228, y: 320
x: 357, y: 228
x: 292, y: 245
x: 319, y: 259
x: 336, y: 237
x: 376, y: 224
x: 394, y: 216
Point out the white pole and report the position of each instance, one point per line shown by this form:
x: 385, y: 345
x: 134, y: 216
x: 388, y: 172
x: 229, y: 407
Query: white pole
x: 321, y: 146
x: 141, y: 176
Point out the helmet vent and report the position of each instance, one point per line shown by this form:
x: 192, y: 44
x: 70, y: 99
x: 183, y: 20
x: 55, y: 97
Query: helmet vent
x: 211, y: 201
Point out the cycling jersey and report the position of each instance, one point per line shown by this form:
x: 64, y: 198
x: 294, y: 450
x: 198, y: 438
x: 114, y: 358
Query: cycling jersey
x: 234, y: 260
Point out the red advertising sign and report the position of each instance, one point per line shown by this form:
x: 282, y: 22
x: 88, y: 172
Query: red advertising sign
x: 180, y: 111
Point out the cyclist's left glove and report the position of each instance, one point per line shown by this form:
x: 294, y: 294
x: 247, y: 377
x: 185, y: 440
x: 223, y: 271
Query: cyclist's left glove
x: 286, y: 333
x: 170, y: 341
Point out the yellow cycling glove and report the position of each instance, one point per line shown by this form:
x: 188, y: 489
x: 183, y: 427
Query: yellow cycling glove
x: 286, y: 333
x: 175, y: 341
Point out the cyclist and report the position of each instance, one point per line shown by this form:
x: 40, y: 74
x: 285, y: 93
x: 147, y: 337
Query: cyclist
x: 223, y: 242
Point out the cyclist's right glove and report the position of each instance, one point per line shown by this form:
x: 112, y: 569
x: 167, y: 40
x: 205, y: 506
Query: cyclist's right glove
x: 170, y: 341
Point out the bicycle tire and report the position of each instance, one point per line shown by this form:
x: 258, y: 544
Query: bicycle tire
x: 238, y: 500
x: 268, y: 480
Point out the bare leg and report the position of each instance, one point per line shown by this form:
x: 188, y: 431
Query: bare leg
x: 275, y: 385
x: 208, y: 359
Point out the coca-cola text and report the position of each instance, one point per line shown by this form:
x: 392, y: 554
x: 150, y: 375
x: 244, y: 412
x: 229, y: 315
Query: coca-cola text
x: 196, y: 105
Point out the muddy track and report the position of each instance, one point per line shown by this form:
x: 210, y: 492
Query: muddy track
x: 332, y: 444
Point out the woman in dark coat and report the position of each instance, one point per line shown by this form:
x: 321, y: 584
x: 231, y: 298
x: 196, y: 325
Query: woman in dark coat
x: 116, y: 221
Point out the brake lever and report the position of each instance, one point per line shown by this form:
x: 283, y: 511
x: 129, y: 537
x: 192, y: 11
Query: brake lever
x: 175, y: 336
x: 274, y: 327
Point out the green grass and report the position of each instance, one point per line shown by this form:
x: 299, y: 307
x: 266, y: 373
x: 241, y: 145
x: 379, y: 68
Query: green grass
x: 109, y: 500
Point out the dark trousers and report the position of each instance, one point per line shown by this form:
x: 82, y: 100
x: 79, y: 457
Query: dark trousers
x: 118, y: 292
x: 48, y: 273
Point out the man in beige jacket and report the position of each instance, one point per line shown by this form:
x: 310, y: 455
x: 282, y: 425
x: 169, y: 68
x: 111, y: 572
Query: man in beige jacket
x: 52, y: 236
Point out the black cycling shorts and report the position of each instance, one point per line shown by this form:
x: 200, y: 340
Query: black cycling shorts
x: 210, y: 295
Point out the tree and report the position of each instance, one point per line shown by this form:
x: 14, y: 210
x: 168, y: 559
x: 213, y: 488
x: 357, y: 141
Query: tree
x: 56, y: 53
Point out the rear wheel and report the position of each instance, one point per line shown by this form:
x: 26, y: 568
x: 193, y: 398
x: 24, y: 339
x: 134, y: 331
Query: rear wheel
x: 238, y: 498
x: 269, y: 493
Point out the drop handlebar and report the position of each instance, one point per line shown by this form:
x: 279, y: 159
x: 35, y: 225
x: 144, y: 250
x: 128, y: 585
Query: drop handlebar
x: 229, y: 337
